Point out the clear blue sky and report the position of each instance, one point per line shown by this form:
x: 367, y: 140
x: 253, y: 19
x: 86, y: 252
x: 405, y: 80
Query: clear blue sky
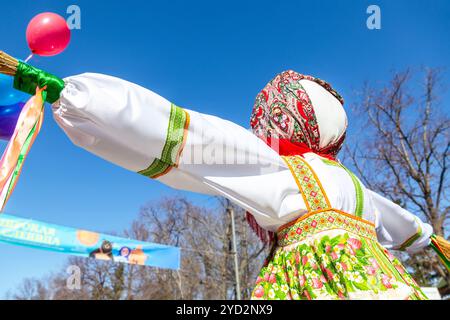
x: 211, y: 56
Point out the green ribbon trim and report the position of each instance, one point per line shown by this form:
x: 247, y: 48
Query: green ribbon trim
x: 411, y: 239
x: 156, y: 169
x: 28, y: 78
x: 359, y: 192
x: 178, y: 123
x: 21, y: 159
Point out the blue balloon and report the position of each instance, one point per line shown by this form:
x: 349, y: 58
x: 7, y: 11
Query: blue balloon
x: 9, y: 95
x: 8, y: 119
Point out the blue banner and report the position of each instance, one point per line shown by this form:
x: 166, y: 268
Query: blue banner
x: 40, y: 235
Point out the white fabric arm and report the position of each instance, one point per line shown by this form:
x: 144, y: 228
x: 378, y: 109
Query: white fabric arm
x: 114, y: 119
x: 137, y: 129
x: 397, y: 228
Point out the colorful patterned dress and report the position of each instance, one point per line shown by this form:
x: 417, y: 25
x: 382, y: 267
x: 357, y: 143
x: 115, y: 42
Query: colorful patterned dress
x: 324, y: 253
x: 330, y: 254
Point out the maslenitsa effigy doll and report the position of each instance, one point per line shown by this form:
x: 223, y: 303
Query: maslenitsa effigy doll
x: 331, y: 234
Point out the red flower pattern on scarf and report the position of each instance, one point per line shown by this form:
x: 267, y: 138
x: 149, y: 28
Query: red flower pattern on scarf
x: 283, y: 116
x: 283, y: 113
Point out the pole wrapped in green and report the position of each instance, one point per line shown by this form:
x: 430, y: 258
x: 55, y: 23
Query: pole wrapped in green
x: 442, y: 248
x: 27, y: 78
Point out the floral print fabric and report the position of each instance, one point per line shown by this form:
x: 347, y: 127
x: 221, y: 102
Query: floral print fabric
x: 333, y: 263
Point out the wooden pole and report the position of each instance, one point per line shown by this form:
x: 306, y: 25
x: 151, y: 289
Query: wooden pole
x: 8, y: 64
x: 236, y: 261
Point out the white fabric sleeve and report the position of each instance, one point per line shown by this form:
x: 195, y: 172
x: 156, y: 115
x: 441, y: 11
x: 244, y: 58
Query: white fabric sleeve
x: 137, y: 129
x: 114, y: 119
x: 398, y: 228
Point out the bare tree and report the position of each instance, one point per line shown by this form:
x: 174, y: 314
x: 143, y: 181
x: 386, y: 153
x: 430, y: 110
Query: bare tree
x: 403, y: 152
x: 204, y: 236
x: 31, y: 289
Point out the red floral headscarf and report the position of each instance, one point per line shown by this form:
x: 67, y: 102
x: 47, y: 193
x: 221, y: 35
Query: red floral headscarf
x: 283, y: 116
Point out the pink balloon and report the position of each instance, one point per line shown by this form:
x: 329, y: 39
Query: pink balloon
x: 48, y: 34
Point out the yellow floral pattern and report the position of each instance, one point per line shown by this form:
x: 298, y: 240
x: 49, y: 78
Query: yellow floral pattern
x: 333, y: 263
x: 330, y: 254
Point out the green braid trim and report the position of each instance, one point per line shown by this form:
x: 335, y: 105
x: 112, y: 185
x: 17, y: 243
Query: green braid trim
x: 176, y: 136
